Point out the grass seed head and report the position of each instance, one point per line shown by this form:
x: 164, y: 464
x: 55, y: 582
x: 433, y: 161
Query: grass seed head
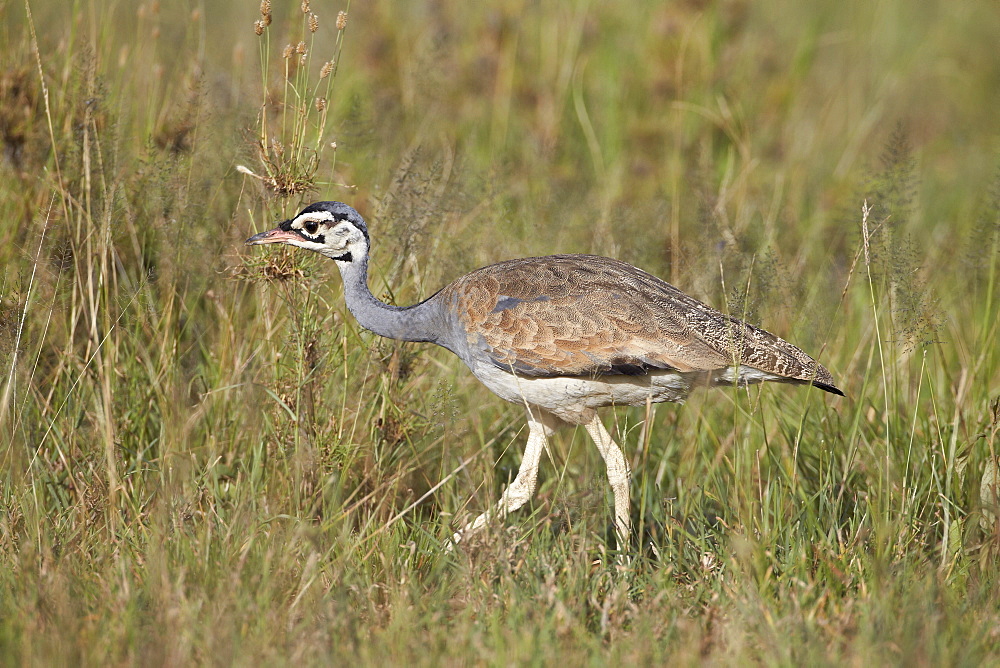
x: 313, y: 23
x: 341, y: 20
x: 300, y: 48
x: 305, y: 6
x: 287, y: 52
x: 265, y: 7
x: 326, y: 70
x: 320, y: 103
x: 258, y: 27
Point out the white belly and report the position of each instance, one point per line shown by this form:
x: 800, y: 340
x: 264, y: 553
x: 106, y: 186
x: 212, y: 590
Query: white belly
x: 572, y: 398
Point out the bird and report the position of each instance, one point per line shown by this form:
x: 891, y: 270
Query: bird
x: 562, y: 336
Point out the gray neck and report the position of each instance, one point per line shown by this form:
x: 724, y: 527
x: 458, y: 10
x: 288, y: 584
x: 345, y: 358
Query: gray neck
x: 421, y: 322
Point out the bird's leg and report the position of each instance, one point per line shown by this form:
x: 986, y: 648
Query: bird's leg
x: 619, y: 476
x: 523, y: 486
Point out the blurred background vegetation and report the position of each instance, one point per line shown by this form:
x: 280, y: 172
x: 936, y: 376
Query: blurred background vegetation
x: 204, y: 460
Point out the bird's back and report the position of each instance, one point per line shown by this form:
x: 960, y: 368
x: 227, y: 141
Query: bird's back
x: 591, y: 316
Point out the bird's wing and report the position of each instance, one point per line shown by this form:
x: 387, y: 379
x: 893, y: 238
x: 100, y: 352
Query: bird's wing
x: 576, y: 315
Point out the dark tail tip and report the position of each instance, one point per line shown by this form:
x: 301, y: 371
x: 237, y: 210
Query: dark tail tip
x: 827, y: 387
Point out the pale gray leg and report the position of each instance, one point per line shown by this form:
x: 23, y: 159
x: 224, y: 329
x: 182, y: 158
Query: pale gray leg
x: 619, y: 476
x: 540, y: 427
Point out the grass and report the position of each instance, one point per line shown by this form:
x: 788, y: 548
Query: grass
x: 204, y: 460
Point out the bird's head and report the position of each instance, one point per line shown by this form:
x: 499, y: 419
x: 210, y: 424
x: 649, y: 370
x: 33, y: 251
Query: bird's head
x: 332, y: 229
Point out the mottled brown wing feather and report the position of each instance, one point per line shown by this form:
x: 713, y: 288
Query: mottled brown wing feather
x: 576, y: 315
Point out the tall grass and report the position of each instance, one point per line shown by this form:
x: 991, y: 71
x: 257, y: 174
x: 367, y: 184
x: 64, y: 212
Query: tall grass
x: 204, y: 459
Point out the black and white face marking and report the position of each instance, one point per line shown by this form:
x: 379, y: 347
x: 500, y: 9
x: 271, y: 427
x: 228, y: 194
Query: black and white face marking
x: 332, y: 229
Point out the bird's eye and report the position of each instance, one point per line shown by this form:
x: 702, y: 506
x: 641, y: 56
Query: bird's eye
x: 311, y: 227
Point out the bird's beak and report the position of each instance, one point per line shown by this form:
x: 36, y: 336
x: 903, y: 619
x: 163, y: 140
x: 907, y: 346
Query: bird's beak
x: 276, y: 236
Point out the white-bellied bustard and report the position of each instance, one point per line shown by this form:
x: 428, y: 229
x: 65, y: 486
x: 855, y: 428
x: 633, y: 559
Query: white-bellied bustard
x: 562, y: 335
